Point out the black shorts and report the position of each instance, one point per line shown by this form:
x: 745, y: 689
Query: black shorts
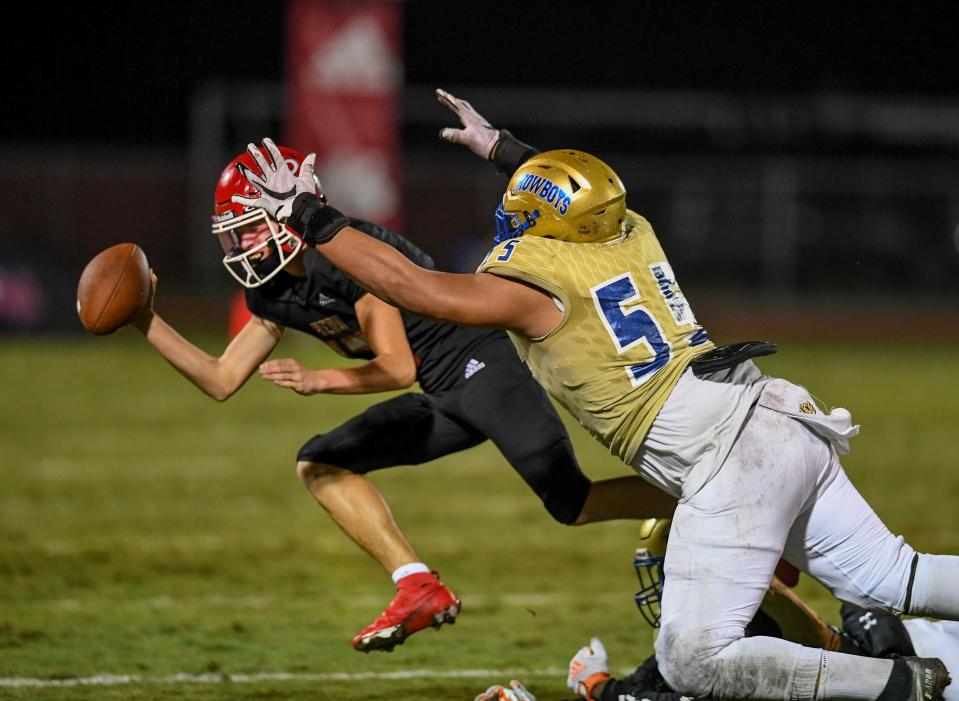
x: 497, y: 398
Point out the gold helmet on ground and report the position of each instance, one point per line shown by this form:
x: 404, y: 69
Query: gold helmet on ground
x: 650, y: 555
x: 563, y: 194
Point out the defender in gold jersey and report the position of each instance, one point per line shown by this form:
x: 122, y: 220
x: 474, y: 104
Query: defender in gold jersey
x: 596, y: 311
x: 627, y: 332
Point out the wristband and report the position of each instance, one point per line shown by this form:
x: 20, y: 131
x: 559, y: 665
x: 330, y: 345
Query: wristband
x: 591, y: 682
x: 314, y: 221
x: 510, y: 153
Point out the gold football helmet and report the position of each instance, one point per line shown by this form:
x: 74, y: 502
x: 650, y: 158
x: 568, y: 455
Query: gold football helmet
x: 563, y: 194
x: 650, y: 555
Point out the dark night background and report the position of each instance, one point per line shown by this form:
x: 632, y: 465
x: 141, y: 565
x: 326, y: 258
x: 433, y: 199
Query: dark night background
x: 798, y: 201
x: 122, y: 72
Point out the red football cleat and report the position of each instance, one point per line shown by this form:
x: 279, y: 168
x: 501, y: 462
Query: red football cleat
x: 421, y: 600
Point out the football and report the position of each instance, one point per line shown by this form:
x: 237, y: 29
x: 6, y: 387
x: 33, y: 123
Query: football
x: 113, y: 288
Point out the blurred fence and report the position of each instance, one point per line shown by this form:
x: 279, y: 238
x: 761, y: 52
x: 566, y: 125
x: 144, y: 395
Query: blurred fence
x: 763, y: 197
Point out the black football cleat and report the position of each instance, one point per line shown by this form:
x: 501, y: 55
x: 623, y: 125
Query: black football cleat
x: 929, y: 678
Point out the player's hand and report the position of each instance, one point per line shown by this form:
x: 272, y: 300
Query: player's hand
x: 287, y: 372
x: 143, y: 317
x: 588, y: 668
x: 278, y: 185
x: 516, y: 692
x: 477, y: 134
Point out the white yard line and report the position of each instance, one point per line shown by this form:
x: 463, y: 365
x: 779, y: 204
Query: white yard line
x: 499, y: 675
x: 358, y: 601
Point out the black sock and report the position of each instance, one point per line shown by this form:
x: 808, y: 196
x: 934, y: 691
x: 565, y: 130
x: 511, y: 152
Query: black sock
x: 899, y: 686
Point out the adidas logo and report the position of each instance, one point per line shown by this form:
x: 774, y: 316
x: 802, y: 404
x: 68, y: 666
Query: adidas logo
x: 324, y: 299
x: 473, y: 367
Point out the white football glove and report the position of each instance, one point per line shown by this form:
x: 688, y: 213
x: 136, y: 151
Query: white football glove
x: 278, y: 185
x: 589, y: 667
x: 516, y: 692
x: 477, y: 134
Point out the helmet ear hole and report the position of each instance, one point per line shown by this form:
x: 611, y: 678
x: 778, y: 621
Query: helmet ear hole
x: 573, y: 185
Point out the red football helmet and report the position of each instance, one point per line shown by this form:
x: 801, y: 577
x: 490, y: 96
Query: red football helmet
x: 230, y: 220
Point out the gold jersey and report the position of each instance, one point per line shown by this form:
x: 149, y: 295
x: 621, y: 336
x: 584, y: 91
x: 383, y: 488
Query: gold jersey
x: 627, y: 332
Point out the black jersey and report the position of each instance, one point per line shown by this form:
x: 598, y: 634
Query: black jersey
x: 322, y: 305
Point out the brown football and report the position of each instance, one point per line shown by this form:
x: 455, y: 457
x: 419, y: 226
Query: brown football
x: 113, y: 288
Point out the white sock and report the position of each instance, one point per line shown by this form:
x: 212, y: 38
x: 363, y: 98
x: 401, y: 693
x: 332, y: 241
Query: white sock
x: 852, y: 677
x: 408, y: 569
x: 771, y: 668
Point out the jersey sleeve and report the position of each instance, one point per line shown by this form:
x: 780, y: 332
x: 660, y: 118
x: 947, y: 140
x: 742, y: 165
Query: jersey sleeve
x: 528, y: 258
x: 254, y: 302
x: 346, y: 287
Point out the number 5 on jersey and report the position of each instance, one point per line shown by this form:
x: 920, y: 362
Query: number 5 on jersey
x: 633, y: 327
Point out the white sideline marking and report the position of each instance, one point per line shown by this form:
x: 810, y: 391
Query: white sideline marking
x: 209, y: 678
x: 359, y: 601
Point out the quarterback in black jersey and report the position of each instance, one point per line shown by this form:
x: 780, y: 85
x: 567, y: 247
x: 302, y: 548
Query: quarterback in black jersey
x: 472, y: 380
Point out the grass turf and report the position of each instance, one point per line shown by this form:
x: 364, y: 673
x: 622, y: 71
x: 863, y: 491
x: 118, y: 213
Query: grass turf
x: 147, y: 530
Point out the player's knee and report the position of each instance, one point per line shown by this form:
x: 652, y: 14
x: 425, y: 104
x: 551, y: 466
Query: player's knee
x: 311, y: 472
x: 563, y: 508
x: 688, y: 659
x: 325, y: 457
x: 558, y: 481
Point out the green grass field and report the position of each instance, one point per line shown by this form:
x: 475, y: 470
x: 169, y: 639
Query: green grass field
x: 146, y: 530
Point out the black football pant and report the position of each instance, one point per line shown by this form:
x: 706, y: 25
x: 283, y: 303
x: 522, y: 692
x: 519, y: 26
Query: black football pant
x: 500, y: 401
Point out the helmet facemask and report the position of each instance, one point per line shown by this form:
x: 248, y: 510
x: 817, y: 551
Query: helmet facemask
x: 509, y: 225
x: 263, y: 260
x: 649, y: 598
x: 648, y: 561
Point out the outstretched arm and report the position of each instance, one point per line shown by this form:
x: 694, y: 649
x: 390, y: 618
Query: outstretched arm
x: 217, y: 377
x: 394, y: 366
x: 469, y: 299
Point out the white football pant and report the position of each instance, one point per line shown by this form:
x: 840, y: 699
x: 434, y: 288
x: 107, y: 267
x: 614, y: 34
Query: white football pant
x: 782, y: 492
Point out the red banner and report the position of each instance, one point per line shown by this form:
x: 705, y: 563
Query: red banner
x: 344, y: 76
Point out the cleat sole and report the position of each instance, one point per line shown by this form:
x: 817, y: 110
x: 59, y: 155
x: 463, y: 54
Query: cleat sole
x: 447, y: 616
x: 387, y: 639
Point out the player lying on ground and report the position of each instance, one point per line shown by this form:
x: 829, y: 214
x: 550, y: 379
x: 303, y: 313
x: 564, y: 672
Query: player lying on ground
x: 594, y: 308
x: 882, y: 635
x: 782, y: 614
x: 473, y: 388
